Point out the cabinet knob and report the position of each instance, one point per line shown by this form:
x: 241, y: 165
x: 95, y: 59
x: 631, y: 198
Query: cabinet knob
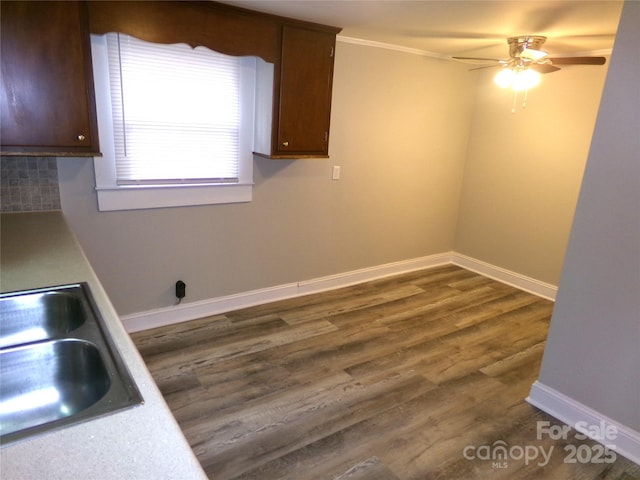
x: 285, y: 144
x: 81, y: 137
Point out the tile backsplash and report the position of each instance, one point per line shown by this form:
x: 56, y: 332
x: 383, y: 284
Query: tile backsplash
x: 29, y: 184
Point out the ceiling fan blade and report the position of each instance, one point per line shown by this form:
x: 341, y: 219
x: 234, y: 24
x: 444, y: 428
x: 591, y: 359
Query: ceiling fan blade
x: 484, y: 66
x: 479, y: 59
x: 579, y: 60
x: 544, y: 68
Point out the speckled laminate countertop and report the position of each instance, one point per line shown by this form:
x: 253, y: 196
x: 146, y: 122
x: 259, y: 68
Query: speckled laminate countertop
x: 37, y: 249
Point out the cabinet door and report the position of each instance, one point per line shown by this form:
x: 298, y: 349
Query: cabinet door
x: 48, y: 104
x: 305, y: 92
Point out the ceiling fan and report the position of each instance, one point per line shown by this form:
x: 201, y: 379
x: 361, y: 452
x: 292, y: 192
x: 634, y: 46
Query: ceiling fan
x: 526, y: 62
x: 525, y: 53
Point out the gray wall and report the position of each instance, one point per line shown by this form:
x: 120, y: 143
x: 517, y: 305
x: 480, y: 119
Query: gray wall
x: 399, y: 131
x: 523, y: 170
x: 593, y: 349
x: 432, y: 160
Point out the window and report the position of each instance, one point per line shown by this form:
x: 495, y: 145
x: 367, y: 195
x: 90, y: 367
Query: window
x: 175, y: 124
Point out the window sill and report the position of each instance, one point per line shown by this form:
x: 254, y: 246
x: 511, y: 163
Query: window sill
x: 135, y: 198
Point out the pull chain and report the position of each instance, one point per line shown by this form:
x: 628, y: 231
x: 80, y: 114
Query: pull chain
x: 515, y: 100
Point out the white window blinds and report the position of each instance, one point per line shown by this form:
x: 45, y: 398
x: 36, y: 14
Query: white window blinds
x: 176, y: 113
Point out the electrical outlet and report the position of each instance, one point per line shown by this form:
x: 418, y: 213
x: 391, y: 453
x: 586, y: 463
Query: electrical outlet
x: 181, y: 289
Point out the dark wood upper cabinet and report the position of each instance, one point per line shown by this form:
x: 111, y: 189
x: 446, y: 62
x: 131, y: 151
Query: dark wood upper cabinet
x: 304, y: 108
x: 47, y: 96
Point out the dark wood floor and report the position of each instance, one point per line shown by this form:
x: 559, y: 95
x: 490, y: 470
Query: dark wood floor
x: 412, y: 377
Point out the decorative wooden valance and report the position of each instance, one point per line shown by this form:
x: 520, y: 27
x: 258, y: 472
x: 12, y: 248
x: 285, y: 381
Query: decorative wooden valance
x: 223, y: 28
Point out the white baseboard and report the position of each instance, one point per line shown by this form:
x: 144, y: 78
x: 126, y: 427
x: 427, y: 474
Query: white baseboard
x: 190, y: 311
x: 572, y: 412
x: 372, y: 273
x: 183, y: 312
x: 214, y: 306
x: 522, y: 282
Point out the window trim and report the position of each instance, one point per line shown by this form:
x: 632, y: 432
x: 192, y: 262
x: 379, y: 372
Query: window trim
x: 112, y: 196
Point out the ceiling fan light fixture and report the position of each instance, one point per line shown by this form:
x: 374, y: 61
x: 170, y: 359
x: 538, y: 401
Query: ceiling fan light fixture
x: 517, y: 80
x: 504, y: 78
x: 525, y: 80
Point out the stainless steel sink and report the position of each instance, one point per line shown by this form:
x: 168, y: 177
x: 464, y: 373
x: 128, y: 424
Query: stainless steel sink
x: 58, y: 363
x: 39, y: 316
x: 49, y: 381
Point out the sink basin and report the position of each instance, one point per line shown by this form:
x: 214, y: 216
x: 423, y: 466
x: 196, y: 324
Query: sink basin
x: 49, y: 381
x: 39, y: 316
x: 58, y: 363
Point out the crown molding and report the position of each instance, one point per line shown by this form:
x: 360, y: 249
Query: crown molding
x: 389, y: 46
x: 426, y: 53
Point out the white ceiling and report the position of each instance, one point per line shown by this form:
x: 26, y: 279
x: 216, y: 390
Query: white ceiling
x: 461, y: 28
